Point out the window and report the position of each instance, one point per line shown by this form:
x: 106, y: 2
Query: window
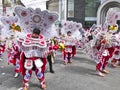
x: 91, y: 8
x: 70, y: 8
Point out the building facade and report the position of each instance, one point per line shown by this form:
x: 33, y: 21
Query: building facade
x: 88, y: 12
x: 104, y: 7
x: 83, y: 11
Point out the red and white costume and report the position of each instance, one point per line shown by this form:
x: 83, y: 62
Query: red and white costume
x: 116, y: 55
x: 70, y: 41
x: 103, y: 51
x: 2, y: 48
x: 34, y: 50
x: 11, y: 44
x: 52, y: 47
x: 2, y: 43
x: 14, y: 56
x: 105, y: 57
x: 68, y: 51
x: 33, y: 58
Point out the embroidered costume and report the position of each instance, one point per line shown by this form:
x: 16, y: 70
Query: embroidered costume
x: 72, y: 35
x: 37, y: 25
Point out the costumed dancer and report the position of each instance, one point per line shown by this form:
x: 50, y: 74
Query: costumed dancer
x: 30, y: 61
x: 98, y: 48
x: 72, y: 35
x: 116, y: 54
x: 37, y: 25
x: 111, y: 20
x: 112, y: 17
x: 110, y: 27
x: 11, y: 46
x: 14, y: 57
x: 103, y: 44
x: 2, y: 49
x: 106, y: 51
x: 102, y: 50
x: 2, y: 44
x: 92, y: 42
x: 53, y: 46
x: 116, y: 57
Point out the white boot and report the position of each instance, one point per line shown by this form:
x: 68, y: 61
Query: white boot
x: 100, y: 74
x: 16, y: 75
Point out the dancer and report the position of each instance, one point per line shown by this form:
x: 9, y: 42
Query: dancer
x: 68, y: 49
x: 72, y: 35
x: 11, y: 46
x: 2, y: 49
x: 30, y: 62
x: 13, y: 54
x: 53, y: 46
x: 106, y: 53
x: 37, y: 25
x: 115, y: 62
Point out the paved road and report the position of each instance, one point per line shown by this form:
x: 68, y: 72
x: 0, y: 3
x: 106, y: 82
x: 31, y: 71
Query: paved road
x: 80, y: 75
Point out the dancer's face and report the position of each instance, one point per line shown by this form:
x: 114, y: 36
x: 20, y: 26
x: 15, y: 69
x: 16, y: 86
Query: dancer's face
x: 35, y: 35
x: 69, y: 34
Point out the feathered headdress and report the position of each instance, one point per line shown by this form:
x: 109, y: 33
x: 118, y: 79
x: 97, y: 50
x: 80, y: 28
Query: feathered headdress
x: 31, y: 19
x: 42, y: 20
x: 110, y: 24
x: 73, y: 27
x: 9, y: 25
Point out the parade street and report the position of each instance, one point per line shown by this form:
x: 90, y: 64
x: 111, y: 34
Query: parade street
x: 80, y: 75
